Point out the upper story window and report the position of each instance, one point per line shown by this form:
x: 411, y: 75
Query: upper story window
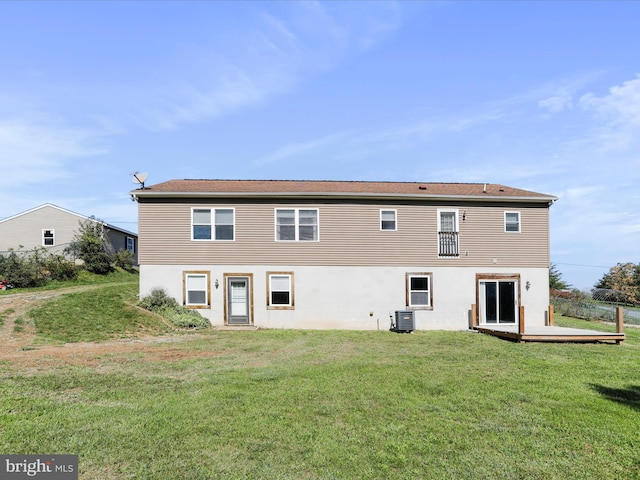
x: 213, y: 224
x: 388, y: 220
x: 130, y: 244
x: 448, y: 245
x: 48, y: 238
x: 296, y: 224
x: 512, y: 222
x: 280, y: 290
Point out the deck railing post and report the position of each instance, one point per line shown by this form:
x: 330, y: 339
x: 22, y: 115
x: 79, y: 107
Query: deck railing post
x: 521, y: 321
x: 619, y: 319
x: 473, y: 321
x: 551, y: 320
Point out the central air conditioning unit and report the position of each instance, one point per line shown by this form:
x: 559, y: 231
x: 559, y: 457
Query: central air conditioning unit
x: 404, y: 321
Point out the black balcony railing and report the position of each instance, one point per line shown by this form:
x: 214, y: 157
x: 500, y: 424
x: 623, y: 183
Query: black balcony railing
x: 448, y: 244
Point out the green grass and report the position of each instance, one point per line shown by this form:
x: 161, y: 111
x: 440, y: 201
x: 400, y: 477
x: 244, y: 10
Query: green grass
x: 18, y: 325
x: 284, y: 404
x: 100, y: 314
x: 324, y: 405
x: 4, y: 314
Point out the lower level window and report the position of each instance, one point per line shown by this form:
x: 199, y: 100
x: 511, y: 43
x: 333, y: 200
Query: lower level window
x: 280, y: 290
x: 196, y: 289
x: 419, y: 294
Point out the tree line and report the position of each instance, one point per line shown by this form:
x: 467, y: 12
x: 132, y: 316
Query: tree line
x: 621, y: 284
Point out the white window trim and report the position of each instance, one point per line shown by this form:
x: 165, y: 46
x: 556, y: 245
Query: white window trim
x: 395, y: 220
x: 280, y: 306
x: 186, y: 276
x: 519, y: 222
x: 408, y: 278
x: 296, y: 224
x: 53, y: 232
x: 233, y: 224
x: 212, y: 224
x: 133, y: 244
x: 456, y: 227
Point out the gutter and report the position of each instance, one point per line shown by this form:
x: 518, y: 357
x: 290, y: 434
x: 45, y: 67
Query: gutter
x: 135, y: 194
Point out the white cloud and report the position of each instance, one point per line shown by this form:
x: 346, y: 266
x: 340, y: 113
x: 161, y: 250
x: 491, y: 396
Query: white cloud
x: 620, y: 107
x: 266, y: 60
x: 617, y: 114
x: 557, y: 103
x: 34, y: 149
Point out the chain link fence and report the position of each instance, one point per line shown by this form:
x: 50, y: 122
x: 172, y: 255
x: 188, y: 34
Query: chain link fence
x: 597, y: 305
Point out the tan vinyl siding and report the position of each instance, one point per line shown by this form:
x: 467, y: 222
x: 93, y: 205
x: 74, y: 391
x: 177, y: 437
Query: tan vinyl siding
x: 349, y: 234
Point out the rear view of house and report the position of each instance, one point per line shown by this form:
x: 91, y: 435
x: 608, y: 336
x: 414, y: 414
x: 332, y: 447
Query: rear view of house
x: 346, y: 255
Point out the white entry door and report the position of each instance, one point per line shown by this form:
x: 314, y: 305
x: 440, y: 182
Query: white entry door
x: 238, y: 301
x: 498, y: 301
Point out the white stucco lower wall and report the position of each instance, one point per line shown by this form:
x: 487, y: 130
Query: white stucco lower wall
x: 360, y: 298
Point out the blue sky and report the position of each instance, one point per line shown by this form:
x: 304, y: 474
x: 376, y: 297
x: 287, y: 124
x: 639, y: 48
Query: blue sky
x: 536, y: 95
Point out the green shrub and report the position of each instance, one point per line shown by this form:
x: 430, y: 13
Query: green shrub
x: 158, y: 300
x: 90, y: 245
x: 23, y: 269
x: 181, y: 317
x: 59, y: 268
x: 34, y: 268
x: 124, y: 259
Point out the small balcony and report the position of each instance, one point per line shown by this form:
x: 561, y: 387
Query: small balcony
x: 448, y: 244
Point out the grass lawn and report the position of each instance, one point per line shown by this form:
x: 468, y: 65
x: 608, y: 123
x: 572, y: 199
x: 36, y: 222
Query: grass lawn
x: 282, y: 404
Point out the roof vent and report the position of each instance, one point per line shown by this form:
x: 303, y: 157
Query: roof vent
x: 422, y: 187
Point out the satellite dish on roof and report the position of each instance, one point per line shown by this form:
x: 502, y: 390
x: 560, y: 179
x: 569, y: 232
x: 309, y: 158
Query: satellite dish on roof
x: 139, y: 178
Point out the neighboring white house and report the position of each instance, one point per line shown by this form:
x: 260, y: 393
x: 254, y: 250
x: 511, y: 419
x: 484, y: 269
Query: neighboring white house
x: 54, y: 228
x: 346, y: 255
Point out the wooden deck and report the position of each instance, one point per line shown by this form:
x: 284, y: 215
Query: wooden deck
x: 551, y: 334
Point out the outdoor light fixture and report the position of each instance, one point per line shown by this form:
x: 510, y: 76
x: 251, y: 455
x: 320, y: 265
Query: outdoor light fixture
x: 216, y: 284
x: 527, y: 285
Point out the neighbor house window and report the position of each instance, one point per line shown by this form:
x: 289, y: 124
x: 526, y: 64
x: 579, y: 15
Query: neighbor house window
x: 280, y: 290
x: 419, y: 293
x: 196, y: 289
x: 448, y: 233
x: 130, y: 244
x: 297, y: 224
x: 48, y: 238
x: 213, y: 224
x: 388, y: 220
x: 512, y: 222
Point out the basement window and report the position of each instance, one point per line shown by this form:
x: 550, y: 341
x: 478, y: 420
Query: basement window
x: 280, y: 294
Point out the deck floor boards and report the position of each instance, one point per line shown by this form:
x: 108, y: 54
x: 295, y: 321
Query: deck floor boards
x: 550, y: 334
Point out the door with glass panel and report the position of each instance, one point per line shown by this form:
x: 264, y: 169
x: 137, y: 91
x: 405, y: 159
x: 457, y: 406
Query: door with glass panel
x: 238, y: 301
x: 498, y: 301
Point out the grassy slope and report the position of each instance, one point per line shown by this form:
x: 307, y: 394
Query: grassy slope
x: 307, y: 404
x: 101, y: 314
x: 106, y: 311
